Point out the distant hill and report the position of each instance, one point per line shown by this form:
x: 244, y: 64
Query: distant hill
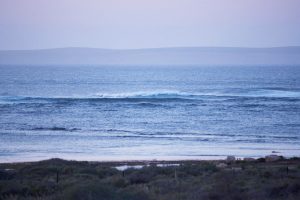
x: 155, y: 56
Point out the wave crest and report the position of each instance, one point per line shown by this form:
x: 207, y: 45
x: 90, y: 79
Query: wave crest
x: 144, y: 95
x: 162, y: 95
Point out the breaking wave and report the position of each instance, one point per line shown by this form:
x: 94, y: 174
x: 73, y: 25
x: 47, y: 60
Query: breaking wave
x: 160, y: 96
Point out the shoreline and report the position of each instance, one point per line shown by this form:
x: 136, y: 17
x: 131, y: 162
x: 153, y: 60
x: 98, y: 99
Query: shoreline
x: 117, y: 161
x: 150, y: 160
x: 154, y: 161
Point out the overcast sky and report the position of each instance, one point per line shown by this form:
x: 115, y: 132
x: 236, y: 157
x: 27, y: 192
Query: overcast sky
x: 35, y: 24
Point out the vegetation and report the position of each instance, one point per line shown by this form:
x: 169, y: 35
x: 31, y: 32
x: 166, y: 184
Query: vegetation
x: 60, y: 179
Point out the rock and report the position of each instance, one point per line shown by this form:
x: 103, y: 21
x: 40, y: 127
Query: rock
x: 221, y: 165
x: 230, y: 159
x: 272, y: 158
x: 275, y: 152
x: 249, y: 159
x: 261, y: 160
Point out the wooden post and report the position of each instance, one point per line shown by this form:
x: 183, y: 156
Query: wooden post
x: 175, y: 176
x: 57, y: 176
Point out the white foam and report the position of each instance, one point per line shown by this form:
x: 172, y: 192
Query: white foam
x: 146, y: 94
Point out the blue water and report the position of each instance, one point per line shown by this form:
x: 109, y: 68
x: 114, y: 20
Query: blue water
x: 125, y: 113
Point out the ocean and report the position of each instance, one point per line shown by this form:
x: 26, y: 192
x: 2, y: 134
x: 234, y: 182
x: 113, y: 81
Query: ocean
x: 148, y: 112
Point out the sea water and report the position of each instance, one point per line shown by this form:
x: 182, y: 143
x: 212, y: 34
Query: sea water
x: 148, y: 112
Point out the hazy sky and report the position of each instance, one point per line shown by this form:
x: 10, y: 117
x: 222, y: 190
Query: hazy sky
x: 34, y: 24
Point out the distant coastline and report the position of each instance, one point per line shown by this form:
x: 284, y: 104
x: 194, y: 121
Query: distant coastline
x: 154, y: 56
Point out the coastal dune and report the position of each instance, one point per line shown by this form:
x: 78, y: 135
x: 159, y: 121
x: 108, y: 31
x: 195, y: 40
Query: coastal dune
x: 157, y: 180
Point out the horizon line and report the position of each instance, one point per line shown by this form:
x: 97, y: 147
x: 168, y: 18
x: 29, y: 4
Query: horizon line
x: 150, y: 48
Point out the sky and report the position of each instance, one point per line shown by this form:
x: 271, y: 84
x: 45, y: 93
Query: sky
x: 131, y: 24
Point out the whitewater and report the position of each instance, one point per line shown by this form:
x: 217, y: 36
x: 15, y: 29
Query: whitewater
x: 133, y: 112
